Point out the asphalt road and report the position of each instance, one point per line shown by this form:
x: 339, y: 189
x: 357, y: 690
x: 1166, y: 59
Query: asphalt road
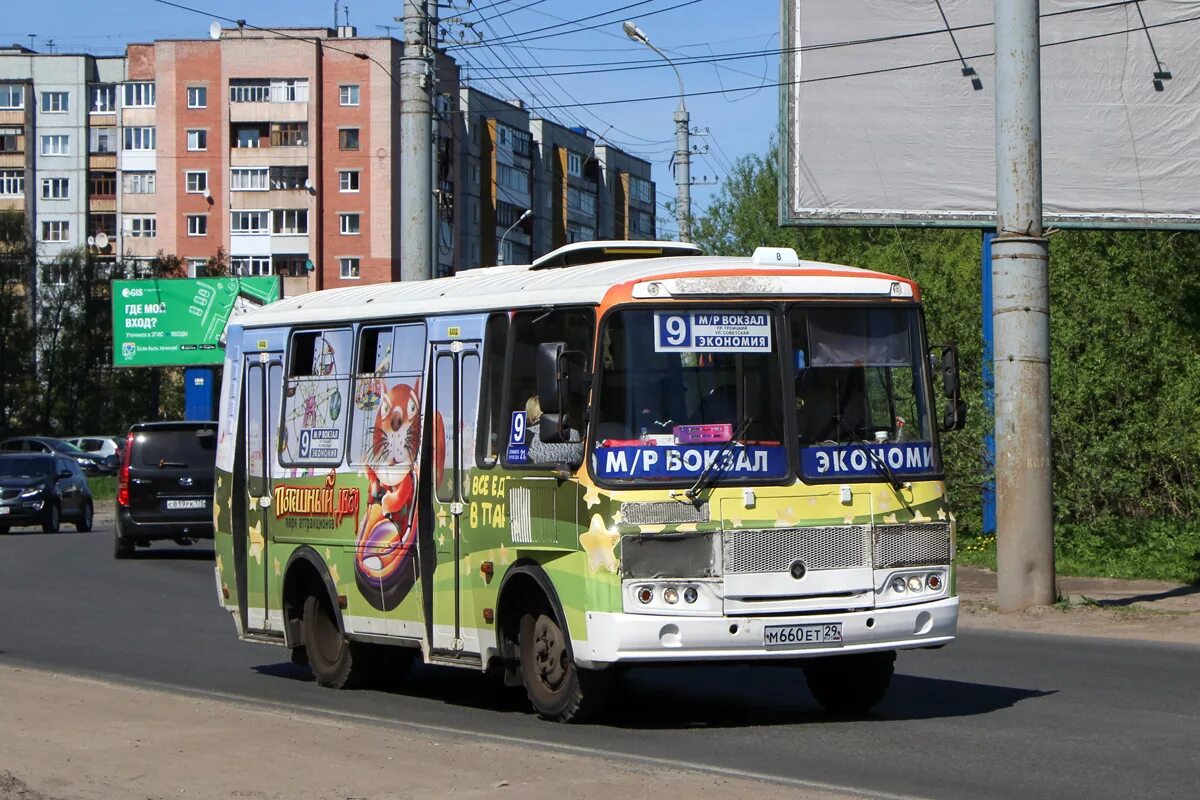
x: 992, y: 715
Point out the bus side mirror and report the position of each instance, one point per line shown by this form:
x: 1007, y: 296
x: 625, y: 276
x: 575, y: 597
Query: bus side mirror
x: 560, y: 372
x: 955, y: 416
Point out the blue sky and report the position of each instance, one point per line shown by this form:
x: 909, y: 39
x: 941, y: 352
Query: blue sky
x: 740, y: 120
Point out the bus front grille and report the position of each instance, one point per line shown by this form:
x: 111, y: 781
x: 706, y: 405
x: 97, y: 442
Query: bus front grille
x: 776, y: 549
x: 912, y: 545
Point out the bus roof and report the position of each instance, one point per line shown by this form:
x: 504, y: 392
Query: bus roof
x: 522, y: 286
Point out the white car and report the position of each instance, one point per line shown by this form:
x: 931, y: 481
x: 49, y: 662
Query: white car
x: 99, y: 445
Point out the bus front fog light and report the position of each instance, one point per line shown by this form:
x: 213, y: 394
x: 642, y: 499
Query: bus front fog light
x: 690, y: 594
x: 645, y: 594
x: 915, y: 584
x: 898, y: 585
x: 671, y: 595
x: 934, y: 582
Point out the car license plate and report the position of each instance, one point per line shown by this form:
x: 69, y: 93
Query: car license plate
x: 184, y: 505
x: 785, y: 635
x: 4, y: 509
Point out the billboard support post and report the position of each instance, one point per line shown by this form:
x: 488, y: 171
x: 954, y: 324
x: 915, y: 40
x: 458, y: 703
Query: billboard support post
x: 989, y: 392
x: 1021, y: 319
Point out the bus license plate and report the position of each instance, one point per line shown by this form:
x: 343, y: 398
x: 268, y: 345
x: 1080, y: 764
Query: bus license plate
x: 826, y: 633
x: 181, y: 505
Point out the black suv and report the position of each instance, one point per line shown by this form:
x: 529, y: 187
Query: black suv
x: 43, y: 489
x: 165, y: 484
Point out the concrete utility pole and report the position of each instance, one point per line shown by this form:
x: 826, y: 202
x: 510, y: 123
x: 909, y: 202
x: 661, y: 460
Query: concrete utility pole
x: 416, y: 147
x: 683, y: 141
x: 1021, y: 317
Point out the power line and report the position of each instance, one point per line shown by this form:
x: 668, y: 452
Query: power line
x: 879, y: 71
x: 524, y: 34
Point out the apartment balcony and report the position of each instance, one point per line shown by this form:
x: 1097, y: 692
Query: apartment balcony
x: 102, y: 161
x: 12, y: 203
x: 102, y: 120
x: 291, y: 156
x: 268, y: 112
x: 101, y: 204
x: 289, y: 244
x: 138, y: 117
x: 274, y: 198
x: 140, y: 246
x: 249, y: 244
x: 8, y: 118
x: 12, y: 160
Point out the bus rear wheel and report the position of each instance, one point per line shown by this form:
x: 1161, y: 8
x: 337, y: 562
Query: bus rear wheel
x: 852, y: 684
x: 334, y: 661
x: 559, y: 689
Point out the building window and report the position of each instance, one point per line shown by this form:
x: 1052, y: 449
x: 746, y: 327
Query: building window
x: 522, y: 143
x: 348, y: 180
x: 574, y: 164
x: 56, y: 145
x: 139, y: 138
x: 248, y: 136
x: 513, y: 178
x: 580, y: 233
x: 583, y: 202
x: 251, y: 91
x: 197, y: 97
x: 196, y: 181
x: 350, y: 268
x: 348, y: 94
x: 56, y: 188
x: 140, y: 182
x: 139, y: 95
x: 103, y: 99
x: 290, y: 220
x: 288, y: 177
x: 289, y: 134
x: 252, y: 179
x: 12, y: 96
x: 289, y: 90
x: 639, y: 189
x: 251, y: 265
x: 10, y: 140
x: 142, y: 227
x: 349, y: 224
x: 197, y: 139
x: 12, y: 182
x: 197, y: 267
x: 197, y: 224
x: 102, y: 184
x: 102, y: 140
x: 55, y: 102
x: 56, y: 230
x: 348, y: 139
x: 249, y: 222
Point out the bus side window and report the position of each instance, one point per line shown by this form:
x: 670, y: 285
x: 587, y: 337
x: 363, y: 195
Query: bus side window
x: 576, y: 328
x: 492, y: 431
x: 317, y: 385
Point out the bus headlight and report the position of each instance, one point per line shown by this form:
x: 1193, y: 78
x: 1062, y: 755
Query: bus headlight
x: 898, y: 585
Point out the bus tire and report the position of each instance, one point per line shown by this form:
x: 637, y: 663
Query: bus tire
x: 334, y: 661
x: 851, y: 684
x: 559, y: 689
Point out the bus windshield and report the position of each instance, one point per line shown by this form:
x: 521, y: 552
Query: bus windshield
x: 696, y: 391
x: 684, y: 391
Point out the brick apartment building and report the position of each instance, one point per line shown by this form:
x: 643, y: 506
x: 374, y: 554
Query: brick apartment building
x: 281, y: 150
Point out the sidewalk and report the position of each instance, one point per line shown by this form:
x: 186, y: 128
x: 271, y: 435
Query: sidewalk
x: 1145, y: 610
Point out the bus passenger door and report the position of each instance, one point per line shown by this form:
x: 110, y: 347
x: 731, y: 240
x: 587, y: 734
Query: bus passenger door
x: 263, y: 384
x: 455, y: 391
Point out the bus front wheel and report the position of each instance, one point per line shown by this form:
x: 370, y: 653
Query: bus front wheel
x: 852, y: 684
x: 558, y: 688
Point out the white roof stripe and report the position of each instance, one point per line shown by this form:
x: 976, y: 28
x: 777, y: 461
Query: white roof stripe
x: 502, y: 287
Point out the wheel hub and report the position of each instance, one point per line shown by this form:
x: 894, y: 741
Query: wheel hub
x: 550, y: 653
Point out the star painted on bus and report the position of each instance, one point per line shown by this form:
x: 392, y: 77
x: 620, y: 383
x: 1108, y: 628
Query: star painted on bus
x: 600, y: 545
x: 257, y: 543
x: 591, y: 496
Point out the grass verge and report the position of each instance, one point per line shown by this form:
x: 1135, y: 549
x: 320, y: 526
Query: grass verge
x: 104, y: 489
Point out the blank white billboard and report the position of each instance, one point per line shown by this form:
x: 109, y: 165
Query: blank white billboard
x: 882, y: 126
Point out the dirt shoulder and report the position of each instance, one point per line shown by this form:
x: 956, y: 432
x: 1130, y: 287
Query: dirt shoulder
x: 70, y: 738
x: 1144, y: 610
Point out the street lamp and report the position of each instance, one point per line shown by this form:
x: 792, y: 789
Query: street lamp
x: 683, y: 146
x: 500, y: 254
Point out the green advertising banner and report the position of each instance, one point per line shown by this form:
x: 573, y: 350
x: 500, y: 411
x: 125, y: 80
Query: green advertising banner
x: 177, y: 322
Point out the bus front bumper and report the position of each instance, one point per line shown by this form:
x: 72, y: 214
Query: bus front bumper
x: 616, y: 637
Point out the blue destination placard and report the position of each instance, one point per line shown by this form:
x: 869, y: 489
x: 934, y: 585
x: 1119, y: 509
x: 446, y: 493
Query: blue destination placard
x: 863, y: 460
x: 688, y: 461
x: 518, y: 450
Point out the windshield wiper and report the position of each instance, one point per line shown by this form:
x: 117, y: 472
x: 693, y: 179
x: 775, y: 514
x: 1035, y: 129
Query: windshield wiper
x: 881, y: 460
x: 739, y: 433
